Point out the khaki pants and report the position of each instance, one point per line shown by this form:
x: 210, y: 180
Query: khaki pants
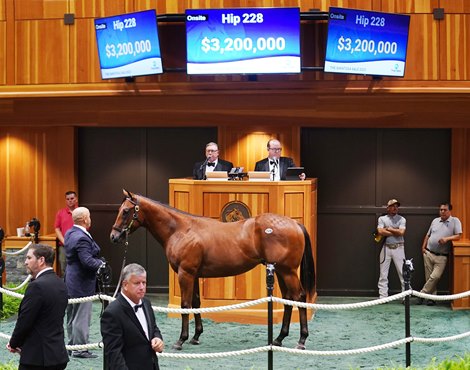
x: 434, y: 267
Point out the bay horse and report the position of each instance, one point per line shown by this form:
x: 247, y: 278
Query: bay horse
x: 199, y: 247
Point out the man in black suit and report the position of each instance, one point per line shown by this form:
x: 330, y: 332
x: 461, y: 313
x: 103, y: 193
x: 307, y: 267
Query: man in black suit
x: 212, y: 163
x: 276, y: 164
x: 39, y: 331
x: 130, y: 334
x: 83, y: 261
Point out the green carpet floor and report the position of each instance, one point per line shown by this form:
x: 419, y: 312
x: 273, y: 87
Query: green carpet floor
x: 329, y: 330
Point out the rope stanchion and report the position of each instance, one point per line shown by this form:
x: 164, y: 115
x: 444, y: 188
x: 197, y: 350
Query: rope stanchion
x: 407, y: 272
x: 270, y: 288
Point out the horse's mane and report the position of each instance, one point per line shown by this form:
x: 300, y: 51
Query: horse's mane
x: 169, y: 207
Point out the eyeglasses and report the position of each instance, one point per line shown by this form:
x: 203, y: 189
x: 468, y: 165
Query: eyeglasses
x: 443, y: 210
x: 275, y: 149
x: 211, y: 150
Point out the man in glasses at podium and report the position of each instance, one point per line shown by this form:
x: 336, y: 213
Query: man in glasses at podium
x: 211, y: 163
x: 275, y: 163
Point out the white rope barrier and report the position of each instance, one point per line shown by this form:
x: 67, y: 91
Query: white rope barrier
x: 13, y: 294
x: 17, y: 252
x: 314, y: 306
x: 25, y: 281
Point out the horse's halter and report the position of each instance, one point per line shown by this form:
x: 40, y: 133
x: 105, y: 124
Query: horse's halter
x: 135, y: 217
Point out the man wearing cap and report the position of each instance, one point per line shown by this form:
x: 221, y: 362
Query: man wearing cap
x: 436, y: 247
x: 392, y: 226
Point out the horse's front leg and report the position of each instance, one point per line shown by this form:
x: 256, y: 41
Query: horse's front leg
x: 186, y: 282
x: 197, y: 316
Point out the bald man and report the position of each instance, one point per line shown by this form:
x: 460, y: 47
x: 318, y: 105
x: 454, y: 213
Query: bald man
x: 83, y: 261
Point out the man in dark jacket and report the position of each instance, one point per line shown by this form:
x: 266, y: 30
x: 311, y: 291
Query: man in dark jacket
x: 212, y: 163
x: 130, y: 334
x: 82, y: 255
x: 39, y: 332
x: 276, y: 164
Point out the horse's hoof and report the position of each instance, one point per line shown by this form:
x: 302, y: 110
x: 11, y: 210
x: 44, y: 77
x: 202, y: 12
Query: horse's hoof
x: 300, y: 346
x: 277, y: 343
x: 178, y: 346
x: 194, y: 341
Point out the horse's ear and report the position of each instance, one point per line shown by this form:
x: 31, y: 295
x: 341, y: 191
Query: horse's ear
x: 127, y: 194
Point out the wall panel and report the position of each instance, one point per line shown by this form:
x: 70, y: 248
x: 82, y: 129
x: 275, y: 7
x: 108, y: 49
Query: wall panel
x: 460, y: 184
x: 409, y: 7
x: 42, y: 52
x: 454, y: 47
x: 355, y: 4
x: 422, y: 61
x: 84, y: 62
x: 3, y: 60
x: 100, y: 8
x: 2, y: 11
x: 37, y: 166
x: 456, y: 6
x: 45, y: 9
x: 245, y: 146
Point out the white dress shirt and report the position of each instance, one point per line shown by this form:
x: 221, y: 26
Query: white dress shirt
x: 274, y: 169
x: 140, y: 315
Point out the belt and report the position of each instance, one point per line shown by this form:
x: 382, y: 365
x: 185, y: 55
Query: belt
x: 394, y: 246
x: 436, y: 254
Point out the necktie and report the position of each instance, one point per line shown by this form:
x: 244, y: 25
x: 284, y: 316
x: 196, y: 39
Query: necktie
x: 137, y: 306
x: 273, y: 163
x: 210, y: 164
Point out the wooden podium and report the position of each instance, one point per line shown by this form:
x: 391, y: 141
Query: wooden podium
x: 295, y: 199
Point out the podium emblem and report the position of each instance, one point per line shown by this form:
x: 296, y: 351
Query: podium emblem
x: 235, y: 211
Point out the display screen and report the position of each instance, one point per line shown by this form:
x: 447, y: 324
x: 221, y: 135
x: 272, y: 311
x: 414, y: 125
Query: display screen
x: 128, y: 45
x: 368, y: 43
x: 243, y: 41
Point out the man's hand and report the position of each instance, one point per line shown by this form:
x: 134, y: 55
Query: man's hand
x: 157, y: 344
x: 13, y: 350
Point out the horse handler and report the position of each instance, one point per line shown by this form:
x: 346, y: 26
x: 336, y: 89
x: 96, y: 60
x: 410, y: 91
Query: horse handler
x: 130, y: 334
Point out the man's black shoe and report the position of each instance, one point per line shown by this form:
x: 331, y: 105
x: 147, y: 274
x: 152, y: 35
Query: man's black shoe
x: 431, y: 303
x: 84, y: 355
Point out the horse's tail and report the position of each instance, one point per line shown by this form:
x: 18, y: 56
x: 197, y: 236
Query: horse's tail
x: 307, y: 266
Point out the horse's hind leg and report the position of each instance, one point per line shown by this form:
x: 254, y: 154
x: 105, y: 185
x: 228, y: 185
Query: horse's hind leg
x: 303, y: 327
x: 197, y: 316
x: 289, y: 284
x: 286, y: 317
x: 285, y: 326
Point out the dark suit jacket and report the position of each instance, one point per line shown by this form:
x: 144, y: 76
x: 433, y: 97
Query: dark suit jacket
x: 284, y: 164
x: 125, y: 343
x: 81, y: 253
x: 199, y: 173
x: 39, y: 330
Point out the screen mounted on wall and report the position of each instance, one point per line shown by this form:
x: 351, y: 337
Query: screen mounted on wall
x: 128, y: 45
x: 243, y: 41
x: 367, y: 43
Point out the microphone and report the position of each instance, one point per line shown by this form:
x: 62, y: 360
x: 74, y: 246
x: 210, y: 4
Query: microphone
x: 273, y: 171
x: 204, y: 163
